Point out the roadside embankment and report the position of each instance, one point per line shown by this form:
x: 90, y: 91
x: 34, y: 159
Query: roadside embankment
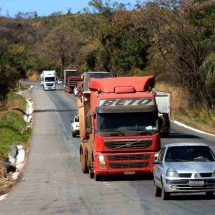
x: 15, y: 131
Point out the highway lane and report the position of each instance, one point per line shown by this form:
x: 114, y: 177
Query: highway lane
x: 54, y: 184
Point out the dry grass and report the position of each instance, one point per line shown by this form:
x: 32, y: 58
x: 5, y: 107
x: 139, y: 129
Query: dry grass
x: 181, y: 111
x: 33, y: 75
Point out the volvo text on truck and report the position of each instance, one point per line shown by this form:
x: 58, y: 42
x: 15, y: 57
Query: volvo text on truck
x: 48, y: 80
x: 119, y: 131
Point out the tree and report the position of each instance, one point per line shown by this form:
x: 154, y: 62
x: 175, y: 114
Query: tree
x: 126, y: 42
x: 16, y: 36
x: 63, y: 44
x: 182, y: 33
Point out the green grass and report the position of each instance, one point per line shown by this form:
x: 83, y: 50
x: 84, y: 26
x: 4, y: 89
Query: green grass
x: 13, y: 129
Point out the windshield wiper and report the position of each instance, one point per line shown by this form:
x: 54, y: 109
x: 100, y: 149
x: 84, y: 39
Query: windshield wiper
x: 115, y: 133
x: 143, y: 132
x: 146, y: 132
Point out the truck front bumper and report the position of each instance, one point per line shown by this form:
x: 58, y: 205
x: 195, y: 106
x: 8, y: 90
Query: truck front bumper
x: 124, y: 164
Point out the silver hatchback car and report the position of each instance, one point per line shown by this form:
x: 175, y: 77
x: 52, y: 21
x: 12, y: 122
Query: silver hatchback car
x: 184, y: 168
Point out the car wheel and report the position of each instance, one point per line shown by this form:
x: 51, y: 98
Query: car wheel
x: 73, y: 134
x: 157, y: 191
x: 209, y: 194
x: 165, y: 195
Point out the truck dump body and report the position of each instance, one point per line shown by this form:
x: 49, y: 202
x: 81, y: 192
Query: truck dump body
x: 120, y: 126
x: 71, y: 77
x: 72, y: 83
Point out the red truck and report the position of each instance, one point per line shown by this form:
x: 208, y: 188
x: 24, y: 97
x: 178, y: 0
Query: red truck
x: 71, y: 78
x: 119, y: 131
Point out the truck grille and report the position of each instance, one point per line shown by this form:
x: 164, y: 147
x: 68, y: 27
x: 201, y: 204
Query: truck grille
x: 128, y: 165
x: 49, y: 85
x: 128, y: 144
x: 128, y: 157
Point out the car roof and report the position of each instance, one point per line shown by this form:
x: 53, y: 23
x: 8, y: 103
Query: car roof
x: 185, y: 144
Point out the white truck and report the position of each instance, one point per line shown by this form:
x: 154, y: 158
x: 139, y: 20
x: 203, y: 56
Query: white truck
x: 163, y: 103
x: 48, y: 80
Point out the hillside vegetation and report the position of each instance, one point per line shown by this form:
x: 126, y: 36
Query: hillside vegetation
x: 174, y: 40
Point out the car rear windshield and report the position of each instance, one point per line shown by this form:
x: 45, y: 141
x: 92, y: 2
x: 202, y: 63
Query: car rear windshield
x: 189, y: 153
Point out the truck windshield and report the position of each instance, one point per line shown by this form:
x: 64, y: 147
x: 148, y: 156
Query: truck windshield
x: 50, y: 79
x: 140, y: 122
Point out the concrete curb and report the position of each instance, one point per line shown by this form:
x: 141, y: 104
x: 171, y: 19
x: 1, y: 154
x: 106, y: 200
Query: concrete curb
x: 18, y: 163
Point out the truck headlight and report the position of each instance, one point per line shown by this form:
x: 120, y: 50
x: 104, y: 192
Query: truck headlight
x: 171, y: 173
x: 102, y: 162
x: 101, y: 159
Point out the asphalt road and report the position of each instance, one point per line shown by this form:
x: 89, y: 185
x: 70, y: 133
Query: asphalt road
x: 53, y: 182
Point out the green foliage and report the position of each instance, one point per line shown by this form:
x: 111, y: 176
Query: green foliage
x: 12, y: 131
x: 184, y: 39
x: 207, y: 73
x: 12, y: 125
x: 91, y: 60
x: 172, y: 39
x: 125, y: 43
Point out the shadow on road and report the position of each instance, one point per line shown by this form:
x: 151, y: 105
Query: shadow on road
x: 191, y: 197
x: 182, y: 136
x: 53, y: 110
x: 128, y: 177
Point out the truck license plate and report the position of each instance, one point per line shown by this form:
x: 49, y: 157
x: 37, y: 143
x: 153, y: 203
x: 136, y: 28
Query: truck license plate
x: 196, y: 183
x: 129, y: 173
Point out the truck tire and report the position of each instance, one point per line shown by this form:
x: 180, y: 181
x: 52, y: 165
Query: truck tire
x: 97, y: 177
x: 91, y: 173
x: 165, y: 134
x: 84, y: 163
x: 209, y: 194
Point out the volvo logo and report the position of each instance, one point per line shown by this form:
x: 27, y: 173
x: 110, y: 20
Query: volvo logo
x: 128, y: 145
x: 196, y: 176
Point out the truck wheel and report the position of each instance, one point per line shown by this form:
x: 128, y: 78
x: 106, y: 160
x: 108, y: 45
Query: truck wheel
x: 97, y: 177
x: 84, y: 164
x: 165, y: 134
x: 91, y: 173
x: 209, y: 194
